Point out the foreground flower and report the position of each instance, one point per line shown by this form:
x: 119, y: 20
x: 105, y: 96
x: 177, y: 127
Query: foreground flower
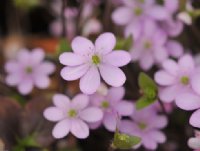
x: 89, y: 61
x: 72, y: 116
x: 180, y: 82
x: 146, y: 124
x: 29, y: 69
x: 194, y: 142
x: 112, y: 106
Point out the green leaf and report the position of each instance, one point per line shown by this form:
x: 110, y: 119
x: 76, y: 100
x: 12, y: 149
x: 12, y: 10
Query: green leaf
x: 26, y: 4
x: 124, y: 141
x: 144, y: 101
x: 145, y: 82
x: 124, y: 44
x: 63, y: 46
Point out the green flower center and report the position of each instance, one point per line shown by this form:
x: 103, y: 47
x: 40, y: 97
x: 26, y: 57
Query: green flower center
x: 142, y: 126
x: 141, y: 1
x: 185, y: 80
x: 147, y: 45
x: 29, y: 69
x: 138, y: 11
x: 72, y: 113
x: 105, y: 104
x: 95, y: 59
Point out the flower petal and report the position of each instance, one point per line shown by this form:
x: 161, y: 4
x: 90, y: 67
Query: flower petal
x: 25, y: 86
x: 163, y: 78
x: 61, y: 129
x: 12, y: 66
x: 158, y: 136
x: 174, y: 48
x: 195, y: 82
x: 115, y: 94
x: 53, y: 114
x: 79, y: 129
x: 13, y: 79
x: 46, y: 68
x: 41, y: 81
x: 23, y: 56
x: 124, y: 108
x: 91, y: 114
x: 74, y: 73
x: 61, y: 100
x: 186, y: 62
x: 90, y: 82
x: 105, y: 43
x: 122, y: 15
x: 158, y: 12
x: 81, y: 45
x: 37, y: 55
x: 170, y: 66
x: 194, y: 119
x: 146, y: 61
x: 80, y: 101
x: 71, y: 59
x: 117, y: 58
x: 159, y: 122
x: 188, y: 101
x: 194, y: 142
x: 112, y: 75
x: 110, y: 121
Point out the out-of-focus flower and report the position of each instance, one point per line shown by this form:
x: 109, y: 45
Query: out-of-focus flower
x: 194, y: 142
x: 180, y: 82
x: 146, y: 124
x: 150, y: 48
x: 89, y: 61
x: 72, y: 116
x: 92, y: 26
x: 174, y: 48
x: 112, y: 106
x: 194, y: 119
x: 197, y: 59
x: 134, y: 13
x: 29, y: 69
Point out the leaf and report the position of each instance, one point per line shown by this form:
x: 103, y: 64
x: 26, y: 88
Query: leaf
x: 144, y: 102
x: 145, y: 82
x: 63, y: 46
x: 124, y: 141
x: 124, y: 44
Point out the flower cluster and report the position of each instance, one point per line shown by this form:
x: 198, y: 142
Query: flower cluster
x: 28, y: 70
x: 151, y: 26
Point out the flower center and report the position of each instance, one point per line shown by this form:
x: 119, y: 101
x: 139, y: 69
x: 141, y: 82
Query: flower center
x: 138, y: 11
x: 95, y: 59
x: 72, y: 113
x: 185, y: 80
x: 29, y: 69
x: 142, y: 126
x: 147, y: 45
x: 105, y: 104
x: 141, y: 1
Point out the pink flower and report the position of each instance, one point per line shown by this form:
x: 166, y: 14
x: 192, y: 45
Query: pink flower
x: 72, y: 116
x: 194, y: 119
x: 194, y: 142
x: 88, y: 61
x: 135, y: 12
x: 29, y: 69
x: 150, y: 48
x: 113, y: 107
x: 146, y: 124
x: 174, y: 48
x: 180, y: 82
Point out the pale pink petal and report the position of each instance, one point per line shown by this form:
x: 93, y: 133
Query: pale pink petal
x: 80, y: 101
x: 195, y: 83
x: 105, y: 43
x: 194, y: 119
x: 12, y: 66
x: 169, y: 94
x: 13, y: 79
x: 71, y: 59
x: 164, y: 78
x: 91, y: 114
x: 124, y: 108
x: 160, y: 54
x: 149, y: 142
x: 188, y: 101
x: 46, y: 68
x: 136, y: 53
x: 61, y: 101
x: 61, y: 129
x: 194, y: 143
x: 41, y: 81
x: 37, y: 55
x: 159, y: 38
x: 81, y: 45
x: 110, y: 121
x: 25, y: 86
x: 79, y: 129
x: 133, y: 29
x: 90, y: 82
x: 174, y: 48
x: 159, y: 122
x: 158, y: 12
x: 115, y: 94
x: 117, y: 58
x: 158, y: 136
x: 114, y: 76
x: 186, y: 62
x: 172, y: 6
x: 122, y: 15
x: 146, y: 61
x: 171, y: 67
x: 74, y: 73
x: 24, y: 56
x: 53, y: 114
